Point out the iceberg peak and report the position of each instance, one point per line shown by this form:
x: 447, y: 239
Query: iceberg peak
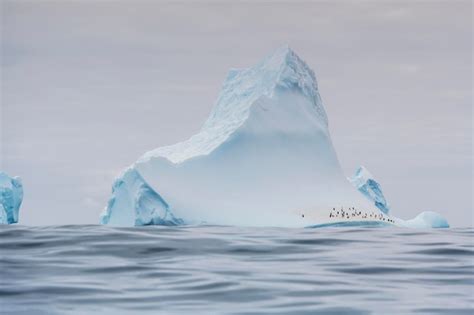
x: 283, y: 69
x: 282, y: 57
x: 242, y: 97
x: 291, y: 71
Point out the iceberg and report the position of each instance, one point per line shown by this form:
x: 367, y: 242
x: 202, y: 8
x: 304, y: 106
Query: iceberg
x: 370, y: 188
x: 134, y: 193
x: 426, y: 219
x: 264, y: 157
x: 11, y: 196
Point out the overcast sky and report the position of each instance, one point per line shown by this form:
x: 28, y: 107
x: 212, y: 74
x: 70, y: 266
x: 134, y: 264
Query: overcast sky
x: 88, y: 86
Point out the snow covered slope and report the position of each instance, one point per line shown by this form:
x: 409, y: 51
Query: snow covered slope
x: 11, y: 196
x: 263, y: 153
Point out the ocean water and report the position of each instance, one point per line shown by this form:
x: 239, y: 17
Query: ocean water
x: 227, y: 270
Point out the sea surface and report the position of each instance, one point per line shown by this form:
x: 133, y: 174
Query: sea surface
x: 89, y: 269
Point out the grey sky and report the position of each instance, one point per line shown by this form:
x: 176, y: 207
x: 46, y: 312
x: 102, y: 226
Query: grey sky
x: 89, y: 86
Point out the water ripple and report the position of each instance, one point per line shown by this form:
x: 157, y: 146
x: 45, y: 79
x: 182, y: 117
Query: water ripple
x: 226, y: 270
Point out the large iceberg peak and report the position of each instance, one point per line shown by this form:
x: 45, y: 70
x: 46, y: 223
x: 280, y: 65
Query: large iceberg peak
x: 281, y: 90
x: 283, y: 69
x: 11, y: 196
x: 291, y: 70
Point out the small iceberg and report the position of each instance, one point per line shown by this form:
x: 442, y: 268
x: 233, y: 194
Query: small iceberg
x: 11, y: 196
x: 372, y: 190
x: 426, y: 219
x: 134, y: 193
